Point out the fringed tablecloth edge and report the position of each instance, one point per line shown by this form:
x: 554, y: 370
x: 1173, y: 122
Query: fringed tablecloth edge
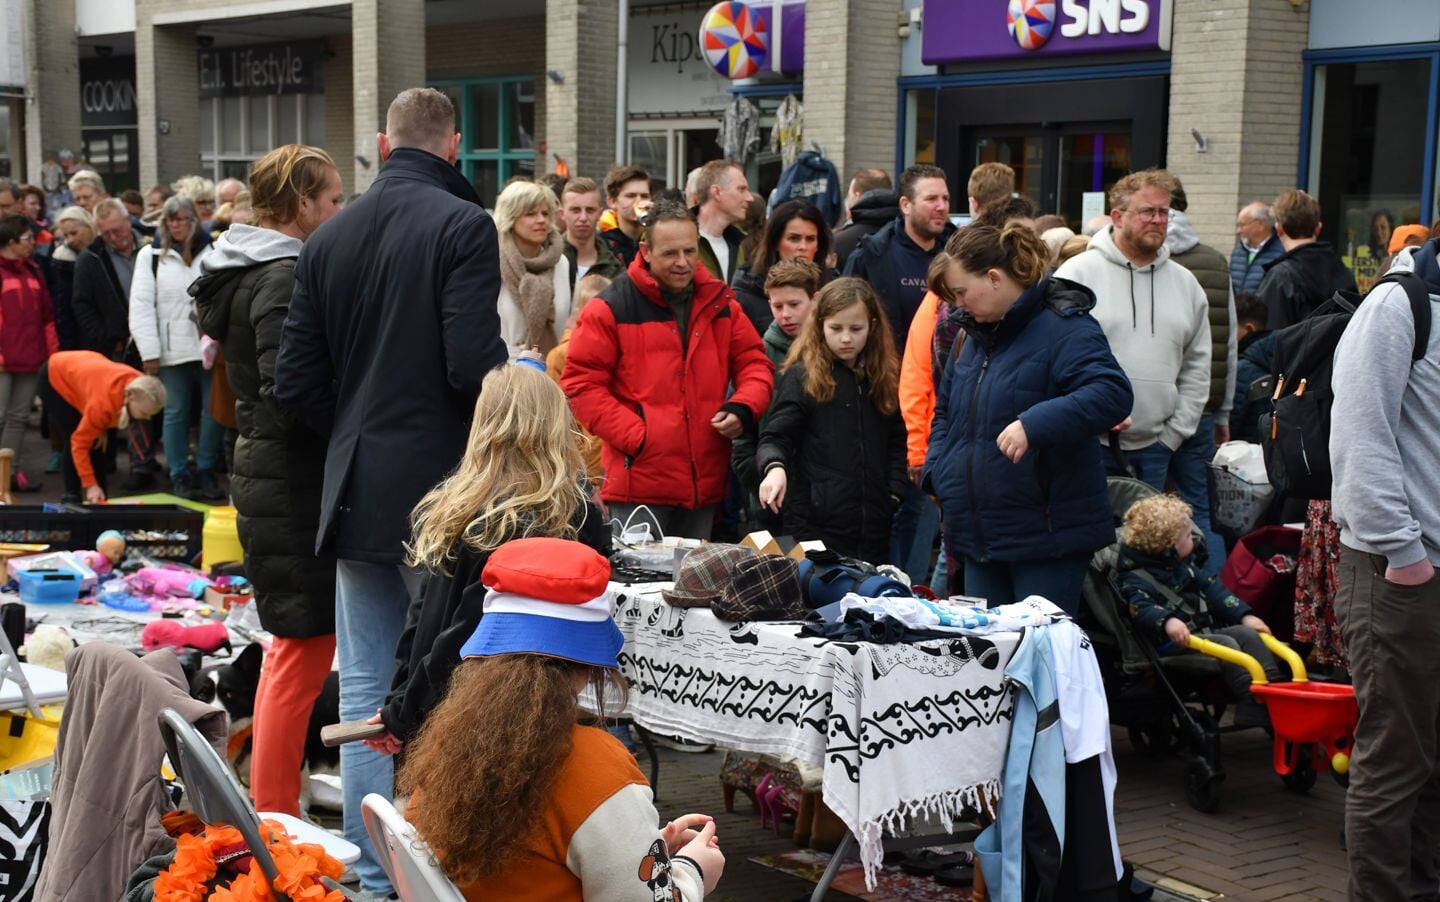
x: 945, y: 806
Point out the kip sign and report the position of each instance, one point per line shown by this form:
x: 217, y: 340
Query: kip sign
x: 959, y: 31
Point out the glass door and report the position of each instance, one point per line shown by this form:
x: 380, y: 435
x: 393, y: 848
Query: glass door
x: 1055, y: 166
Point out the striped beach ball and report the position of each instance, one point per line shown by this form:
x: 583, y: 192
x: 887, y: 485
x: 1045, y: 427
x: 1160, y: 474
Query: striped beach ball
x: 735, y: 39
x: 1030, y: 22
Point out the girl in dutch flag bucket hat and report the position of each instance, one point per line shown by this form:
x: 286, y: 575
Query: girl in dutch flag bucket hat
x: 515, y: 798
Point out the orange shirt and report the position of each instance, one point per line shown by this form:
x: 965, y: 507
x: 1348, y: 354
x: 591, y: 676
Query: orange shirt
x: 917, y: 383
x: 598, y: 768
x: 590, y: 447
x: 94, y: 385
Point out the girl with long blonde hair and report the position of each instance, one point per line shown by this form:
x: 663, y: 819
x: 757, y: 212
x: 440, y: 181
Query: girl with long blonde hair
x: 521, y: 475
x: 832, y: 449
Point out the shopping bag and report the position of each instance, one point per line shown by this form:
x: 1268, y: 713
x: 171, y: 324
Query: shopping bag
x: 1242, y: 491
x: 24, y: 836
x: 1261, y: 573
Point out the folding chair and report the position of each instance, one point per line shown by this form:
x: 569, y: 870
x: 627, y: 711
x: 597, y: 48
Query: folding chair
x: 218, y: 799
x: 412, y: 871
x: 33, y: 685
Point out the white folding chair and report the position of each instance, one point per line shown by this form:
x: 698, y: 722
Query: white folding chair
x: 217, y: 798
x: 27, y: 685
x: 412, y: 871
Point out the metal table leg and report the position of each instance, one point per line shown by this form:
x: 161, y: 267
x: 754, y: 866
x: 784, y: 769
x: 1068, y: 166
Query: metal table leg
x: 833, y: 867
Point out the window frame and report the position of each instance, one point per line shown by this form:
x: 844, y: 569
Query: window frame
x: 508, y: 159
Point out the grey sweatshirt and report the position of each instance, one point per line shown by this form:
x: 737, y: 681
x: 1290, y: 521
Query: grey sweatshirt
x: 1385, y: 425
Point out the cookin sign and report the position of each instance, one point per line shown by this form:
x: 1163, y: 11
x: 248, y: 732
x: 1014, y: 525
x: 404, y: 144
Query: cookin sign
x: 957, y: 31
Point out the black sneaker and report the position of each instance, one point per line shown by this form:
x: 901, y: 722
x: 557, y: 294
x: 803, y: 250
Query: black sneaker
x: 207, y: 487
x: 139, y: 480
x: 183, y: 486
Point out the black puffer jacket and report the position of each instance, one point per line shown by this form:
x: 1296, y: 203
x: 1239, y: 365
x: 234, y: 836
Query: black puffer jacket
x: 242, y: 300
x: 441, y: 620
x: 871, y: 213
x: 844, y: 464
x: 1302, y: 280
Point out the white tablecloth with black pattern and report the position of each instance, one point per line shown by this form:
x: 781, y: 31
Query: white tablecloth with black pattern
x: 901, y: 731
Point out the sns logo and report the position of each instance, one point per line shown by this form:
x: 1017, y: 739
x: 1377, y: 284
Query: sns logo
x: 1104, y: 17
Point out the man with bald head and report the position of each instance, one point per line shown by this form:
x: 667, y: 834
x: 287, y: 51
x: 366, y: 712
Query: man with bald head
x: 1256, y: 246
x: 392, y: 326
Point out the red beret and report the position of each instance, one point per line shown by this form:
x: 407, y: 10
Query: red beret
x: 556, y: 570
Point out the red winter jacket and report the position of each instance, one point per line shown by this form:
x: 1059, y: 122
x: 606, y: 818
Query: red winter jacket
x: 27, y: 320
x: 629, y: 384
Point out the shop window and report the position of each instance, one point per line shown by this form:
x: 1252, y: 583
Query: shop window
x: 1367, y: 155
x: 236, y: 131
x: 497, y: 125
x: 920, y: 126
x: 4, y: 138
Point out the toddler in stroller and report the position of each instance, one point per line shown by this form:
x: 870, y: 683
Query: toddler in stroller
x: 1168, y: 598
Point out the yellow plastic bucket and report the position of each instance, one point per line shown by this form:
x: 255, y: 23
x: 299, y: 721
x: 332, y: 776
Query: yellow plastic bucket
x: 221, y: 538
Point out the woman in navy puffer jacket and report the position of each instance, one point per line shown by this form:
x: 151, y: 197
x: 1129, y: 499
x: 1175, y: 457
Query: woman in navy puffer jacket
x: 1013, y: 454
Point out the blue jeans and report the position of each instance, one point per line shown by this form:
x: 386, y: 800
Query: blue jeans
x: 183, y: 382
x: 912, y: 534
x: 940, y: 582
x: 1190, y: 468
x: 370, y: 605
x: 1006, y: 582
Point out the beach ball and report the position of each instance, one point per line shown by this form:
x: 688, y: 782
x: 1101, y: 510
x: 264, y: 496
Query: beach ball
x: 1030, y: 22
x: 736, y: 40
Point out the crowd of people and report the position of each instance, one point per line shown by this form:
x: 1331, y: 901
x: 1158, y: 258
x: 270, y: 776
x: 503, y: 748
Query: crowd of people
x: 612, y: 351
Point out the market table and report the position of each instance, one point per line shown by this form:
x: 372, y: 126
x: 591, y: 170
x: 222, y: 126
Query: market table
x: 902, y: 732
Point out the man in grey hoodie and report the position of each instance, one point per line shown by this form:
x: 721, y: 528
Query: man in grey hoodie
x: 1156, y: 318
x: 1385, y: 429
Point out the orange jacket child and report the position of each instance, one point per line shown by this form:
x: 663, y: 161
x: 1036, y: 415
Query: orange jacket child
x: 917, y: 384
x: 94, y: 385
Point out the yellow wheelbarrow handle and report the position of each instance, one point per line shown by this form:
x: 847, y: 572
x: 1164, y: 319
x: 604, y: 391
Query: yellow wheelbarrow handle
x: 1257, y: 672
x: 1287, y: 654
x: 1226, y: 653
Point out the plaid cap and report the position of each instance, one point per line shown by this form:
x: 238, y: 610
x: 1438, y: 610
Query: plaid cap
x: 766, y: 587
x: 704, y: 574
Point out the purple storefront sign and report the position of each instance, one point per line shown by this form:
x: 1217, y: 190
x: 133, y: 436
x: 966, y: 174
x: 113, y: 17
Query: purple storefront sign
x: 962, y: 31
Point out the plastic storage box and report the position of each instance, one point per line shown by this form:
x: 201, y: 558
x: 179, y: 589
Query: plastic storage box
x: 168, y: 532
x: 48, y: 586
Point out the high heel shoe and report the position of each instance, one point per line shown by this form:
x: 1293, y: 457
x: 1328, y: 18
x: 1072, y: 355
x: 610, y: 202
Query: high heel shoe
x: 761, y: 791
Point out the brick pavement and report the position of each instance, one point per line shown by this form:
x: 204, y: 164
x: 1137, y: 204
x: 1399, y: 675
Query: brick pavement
x: 1265, y: 844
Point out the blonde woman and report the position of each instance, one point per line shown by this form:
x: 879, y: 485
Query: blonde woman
x: 534, y: 274
x: 242, y: 300
x: 77, y: 229
x: 163, y: 325
x: 521, y: 476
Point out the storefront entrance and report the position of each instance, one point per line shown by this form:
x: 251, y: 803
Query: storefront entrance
x: 1055, y: 166
x: 1064, y: 140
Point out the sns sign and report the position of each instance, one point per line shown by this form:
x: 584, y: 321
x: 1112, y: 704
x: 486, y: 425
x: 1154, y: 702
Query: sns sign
x: 956, y: 31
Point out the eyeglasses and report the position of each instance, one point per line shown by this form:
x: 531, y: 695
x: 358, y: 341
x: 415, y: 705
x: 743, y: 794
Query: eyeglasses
x: 1153, y: 214
x: 178, y: 219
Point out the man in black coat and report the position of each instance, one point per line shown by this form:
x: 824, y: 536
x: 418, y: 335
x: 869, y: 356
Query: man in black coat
x: 870, y: 205
x: 1310, y: 272
x: 391, y: 329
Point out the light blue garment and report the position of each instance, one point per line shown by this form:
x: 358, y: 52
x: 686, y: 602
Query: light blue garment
x: 370, y: 605
x: 1036, y: 756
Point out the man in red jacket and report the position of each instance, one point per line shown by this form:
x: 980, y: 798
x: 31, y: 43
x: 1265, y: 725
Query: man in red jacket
x: 648, y: 370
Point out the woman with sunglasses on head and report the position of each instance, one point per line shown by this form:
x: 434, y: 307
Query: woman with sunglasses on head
x: 167, y: 335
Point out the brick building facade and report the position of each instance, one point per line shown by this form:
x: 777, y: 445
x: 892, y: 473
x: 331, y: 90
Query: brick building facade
x: 1241, y: 98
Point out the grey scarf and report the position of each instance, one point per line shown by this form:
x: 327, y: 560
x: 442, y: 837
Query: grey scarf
x: 531, y: 282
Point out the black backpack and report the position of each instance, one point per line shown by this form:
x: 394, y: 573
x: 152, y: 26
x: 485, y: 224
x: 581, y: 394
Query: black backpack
x: 1295, y: 435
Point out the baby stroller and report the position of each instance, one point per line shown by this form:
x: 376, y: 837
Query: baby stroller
x: 1171, y: 704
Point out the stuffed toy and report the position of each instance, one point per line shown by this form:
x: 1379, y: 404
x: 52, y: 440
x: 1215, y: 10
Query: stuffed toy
x: 109, y: 549
x: 207, y: 637
x: 48, y: 647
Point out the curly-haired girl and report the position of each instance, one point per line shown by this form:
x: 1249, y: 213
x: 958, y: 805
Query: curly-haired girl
x: 1169, y: 598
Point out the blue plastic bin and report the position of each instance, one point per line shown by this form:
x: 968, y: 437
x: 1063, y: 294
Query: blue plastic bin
x: 48, y: 586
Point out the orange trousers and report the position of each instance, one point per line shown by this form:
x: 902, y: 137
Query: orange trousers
x: 290, y: 680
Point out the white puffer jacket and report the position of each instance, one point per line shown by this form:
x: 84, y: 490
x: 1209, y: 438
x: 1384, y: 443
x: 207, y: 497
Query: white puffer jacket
x: 162, y: 313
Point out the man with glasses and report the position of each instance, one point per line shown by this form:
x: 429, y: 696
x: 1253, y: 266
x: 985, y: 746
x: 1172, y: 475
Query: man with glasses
x: 1310, y: 272
x: 1156, y: 317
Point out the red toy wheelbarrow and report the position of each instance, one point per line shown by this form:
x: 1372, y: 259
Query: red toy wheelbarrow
x: 1314, y: 723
